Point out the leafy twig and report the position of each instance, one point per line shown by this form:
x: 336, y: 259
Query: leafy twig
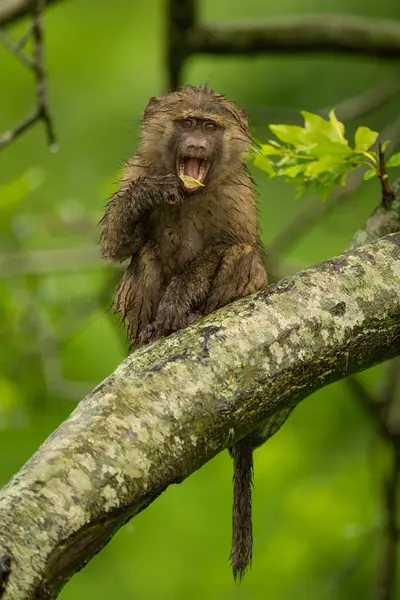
x: 319, y: 156
x: 303, y: 222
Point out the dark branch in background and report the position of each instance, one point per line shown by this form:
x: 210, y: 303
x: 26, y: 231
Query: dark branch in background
x: 366, y: 102
x: 346, y: 34
x: 382, y: 408
x: 348, y: 110
x: 331, y: 33
x: 41, y: 111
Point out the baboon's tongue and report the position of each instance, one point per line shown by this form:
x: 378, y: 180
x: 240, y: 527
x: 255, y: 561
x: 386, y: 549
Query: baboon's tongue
x: 192, y: 167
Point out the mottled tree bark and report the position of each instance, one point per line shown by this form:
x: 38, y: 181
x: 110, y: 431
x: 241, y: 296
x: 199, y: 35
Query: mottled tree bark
x: 175, y: 404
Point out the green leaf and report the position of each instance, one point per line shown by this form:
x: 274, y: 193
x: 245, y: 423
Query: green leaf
x: 318, y: 156
x: 385, y: 145
x: 328, y: 147
x: 300, y: 190
x: 338, y: 125
x: 292, y: 172
x: 324, y: 190
x: 326, y: 163
x: 263, y: 163
x: 268, y: 150
x: 370, y: 174
x: 191, y: 181
x: 364, y: 138
x: 394, y: 161
x: 328, y: 181
x: 342, y: 179
x: 331, y: 130
x: 289, y: 134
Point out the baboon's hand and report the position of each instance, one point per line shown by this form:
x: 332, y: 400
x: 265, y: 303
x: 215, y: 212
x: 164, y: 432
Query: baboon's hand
x: 162, y: 188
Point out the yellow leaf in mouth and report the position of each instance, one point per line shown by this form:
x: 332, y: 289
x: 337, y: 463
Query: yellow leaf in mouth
x: 188, y: 180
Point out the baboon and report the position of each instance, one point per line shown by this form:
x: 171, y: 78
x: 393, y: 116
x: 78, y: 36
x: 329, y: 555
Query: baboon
x: 191, y: 248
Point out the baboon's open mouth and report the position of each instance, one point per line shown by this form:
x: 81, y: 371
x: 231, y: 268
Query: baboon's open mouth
x: 193, y: 167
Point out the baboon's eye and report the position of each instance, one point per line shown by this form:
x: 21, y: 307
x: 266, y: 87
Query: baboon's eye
x: 187, y: 123
x: 210, y: 125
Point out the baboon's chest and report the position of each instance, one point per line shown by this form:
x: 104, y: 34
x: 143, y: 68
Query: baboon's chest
x: 180, y: 234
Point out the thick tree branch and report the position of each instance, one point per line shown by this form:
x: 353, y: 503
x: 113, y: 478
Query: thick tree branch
x: 175, y: 404
x: 383, y: 220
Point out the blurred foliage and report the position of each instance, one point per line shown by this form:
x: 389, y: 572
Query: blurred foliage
x: 317, y: 491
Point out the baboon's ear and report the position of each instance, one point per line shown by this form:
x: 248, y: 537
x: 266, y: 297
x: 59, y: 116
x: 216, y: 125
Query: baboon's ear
x: 151, y: 105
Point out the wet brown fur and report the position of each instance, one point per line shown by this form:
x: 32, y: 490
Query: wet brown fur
x: 192, y: 257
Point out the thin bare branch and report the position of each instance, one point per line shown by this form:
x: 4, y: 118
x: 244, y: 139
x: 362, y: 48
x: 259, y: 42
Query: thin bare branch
x: 12, y: 10
x: 24, y: 38
x: 41, y: 112
x: 41, y: 81
x: 12, y: 134
x: 16, y: 50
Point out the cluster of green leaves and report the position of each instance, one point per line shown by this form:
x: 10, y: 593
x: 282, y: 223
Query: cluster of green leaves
x: 318, y: 157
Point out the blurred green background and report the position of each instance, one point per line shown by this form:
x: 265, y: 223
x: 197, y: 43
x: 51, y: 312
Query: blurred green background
x: 317, y: 482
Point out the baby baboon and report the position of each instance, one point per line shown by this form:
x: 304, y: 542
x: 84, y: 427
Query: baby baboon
x: 191, y: 248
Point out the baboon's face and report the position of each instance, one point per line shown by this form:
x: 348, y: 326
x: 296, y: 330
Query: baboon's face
x: 196, y: 146
x: 195, y: 132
